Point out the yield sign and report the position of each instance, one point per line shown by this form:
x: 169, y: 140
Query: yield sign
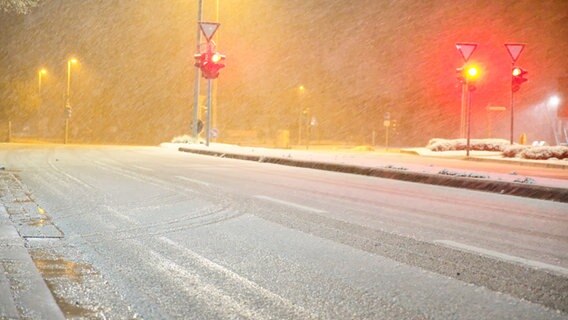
x: 466, y: 49
x: 208, y: 29
x: 515, y: 50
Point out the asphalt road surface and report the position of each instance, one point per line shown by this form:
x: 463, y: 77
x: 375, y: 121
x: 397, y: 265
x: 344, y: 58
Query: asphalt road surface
x: 146, y: 232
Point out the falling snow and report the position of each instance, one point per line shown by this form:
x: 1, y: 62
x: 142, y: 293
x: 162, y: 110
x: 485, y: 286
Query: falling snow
x: 355, y: 61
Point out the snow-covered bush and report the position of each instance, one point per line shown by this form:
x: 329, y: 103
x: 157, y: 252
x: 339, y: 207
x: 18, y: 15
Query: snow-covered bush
x: 508, y: 150
x: 438, y: 144
x: 186, y: 139
x: 538, y: 153
x: 513, y: 151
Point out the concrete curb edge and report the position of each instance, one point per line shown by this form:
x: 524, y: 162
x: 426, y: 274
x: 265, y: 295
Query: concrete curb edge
x: 501, y: 187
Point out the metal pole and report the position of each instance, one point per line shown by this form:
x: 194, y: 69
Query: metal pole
x: 208, y: 124
x: 512, y: 106
x: 196, y: 87
x: 300, y: 127
x: 66, y: 130
x: 308, y: 135
x: 39, y: 83
x: 463, y: 110
x: 387, y: 138
x: 67, y: 102
x: 468, y: 119
x: 68, y: 78
x: 9, y: 131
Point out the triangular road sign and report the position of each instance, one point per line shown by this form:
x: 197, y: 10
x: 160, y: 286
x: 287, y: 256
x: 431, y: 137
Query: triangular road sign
x: 515, y: 50
x: 466, y: 49
x: 208, y: 29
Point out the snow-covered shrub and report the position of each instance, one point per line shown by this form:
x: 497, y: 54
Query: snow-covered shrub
x: 185, y: 139
x: 544, y: 153
x: 438, y: 144
x: 513, y: 151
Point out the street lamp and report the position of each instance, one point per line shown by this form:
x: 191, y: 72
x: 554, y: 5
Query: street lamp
x: 70, y: 62
x: 40, y: 73
x: 554, y: 101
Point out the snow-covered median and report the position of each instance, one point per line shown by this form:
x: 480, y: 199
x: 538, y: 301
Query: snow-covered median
x: 508, y: 150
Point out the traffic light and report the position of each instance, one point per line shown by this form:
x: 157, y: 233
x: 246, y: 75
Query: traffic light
x: 518, y: 78
x: 468, y: 75
x: 471, y: 74
x: 210, y: 63
x: 460, y: 75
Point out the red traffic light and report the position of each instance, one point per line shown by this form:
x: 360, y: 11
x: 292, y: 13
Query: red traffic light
x: 210, y: 63
x: 518, y: 78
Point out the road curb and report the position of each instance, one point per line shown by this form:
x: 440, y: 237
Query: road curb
x: 525, y: 163
x: 501, y: 187
x: 23, y: 291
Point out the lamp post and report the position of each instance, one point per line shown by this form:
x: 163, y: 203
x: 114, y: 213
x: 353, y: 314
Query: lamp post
x: 68, y: 98
x: 40, y: 73
x: 301, y: 92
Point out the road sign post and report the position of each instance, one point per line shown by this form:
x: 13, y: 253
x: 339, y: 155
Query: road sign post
x: 514, y: 50
x: 466, y: 50
x: 209, y: 62
x: 196, y: 88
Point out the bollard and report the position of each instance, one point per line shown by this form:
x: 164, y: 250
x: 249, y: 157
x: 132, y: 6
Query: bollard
x: 523, y: 138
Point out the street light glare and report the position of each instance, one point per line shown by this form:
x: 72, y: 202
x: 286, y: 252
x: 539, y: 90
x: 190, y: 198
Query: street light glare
x: 554, y: 101
x: 472, y: 71
x: 43, y: 71
x: 73, y: 60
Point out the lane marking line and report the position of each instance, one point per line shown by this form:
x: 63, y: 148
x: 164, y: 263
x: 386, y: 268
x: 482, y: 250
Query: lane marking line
x: 290, y: 204
x: 141, y: 168
x: 193, y: 180
x: 298, y: 310
x: 218, y: 299
x: 84, y: 184
x: 502, y: 256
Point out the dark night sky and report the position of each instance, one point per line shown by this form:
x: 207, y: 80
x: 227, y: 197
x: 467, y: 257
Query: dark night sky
x: 356, y: 59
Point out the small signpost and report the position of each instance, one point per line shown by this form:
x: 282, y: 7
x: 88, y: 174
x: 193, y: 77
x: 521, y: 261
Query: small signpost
x: 208, y: 29
x: 387, y: 123
x: 514, y: 50
x: 209, y: 62
x: 466, y: 50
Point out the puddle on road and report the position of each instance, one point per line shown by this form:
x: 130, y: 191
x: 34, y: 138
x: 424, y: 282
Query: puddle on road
x: 37, y: 222
x: 61, y: 276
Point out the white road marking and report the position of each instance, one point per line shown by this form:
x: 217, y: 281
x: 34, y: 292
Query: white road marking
x: 142, y: 168
x: 88, y: 186
x: 193, y: 180
x: 120, y: 215
x: 190, y: 282
x: 502, y: 256
x: 299, y: 311
x: 290, y: 204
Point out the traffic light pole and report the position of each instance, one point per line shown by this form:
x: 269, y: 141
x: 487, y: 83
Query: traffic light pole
x: 66, y: 130
x: 208, y: 124
x: 468, y: 119
x: 196, y: 87
x: 512, y: 106
x: 463, y: 110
